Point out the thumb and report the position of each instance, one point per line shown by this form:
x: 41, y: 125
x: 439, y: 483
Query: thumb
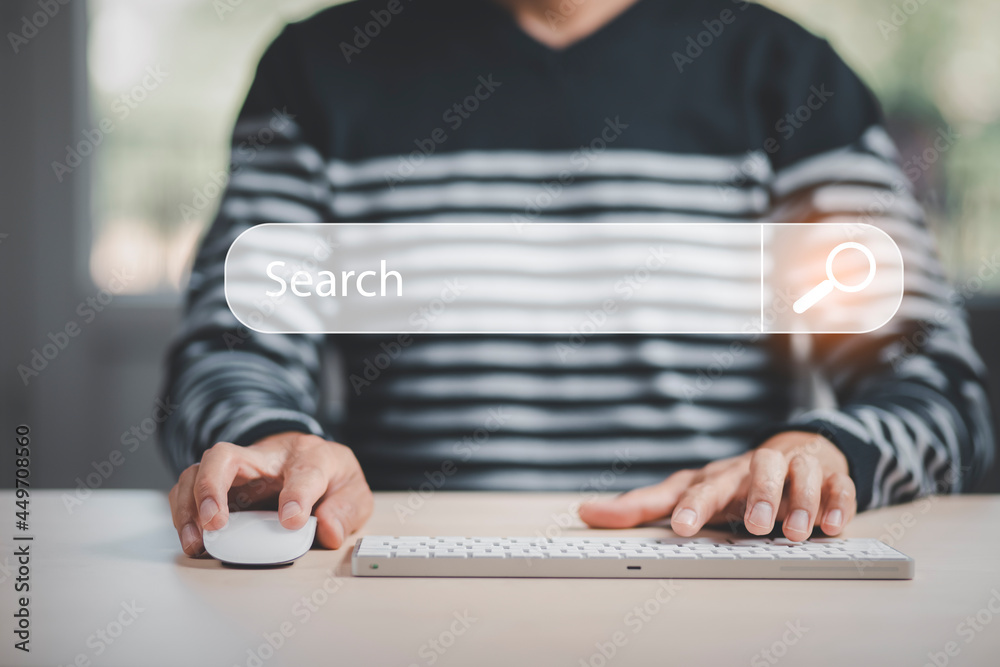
x: 634, y: 507
x: 343, y: 512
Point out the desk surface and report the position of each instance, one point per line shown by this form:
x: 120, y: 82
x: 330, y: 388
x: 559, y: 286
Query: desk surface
x: 115, y: 559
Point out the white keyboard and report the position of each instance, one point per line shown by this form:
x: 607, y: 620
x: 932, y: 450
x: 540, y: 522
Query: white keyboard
x: 628, y: 557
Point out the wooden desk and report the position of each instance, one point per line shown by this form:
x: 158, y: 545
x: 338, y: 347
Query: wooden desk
x: 119, y: 549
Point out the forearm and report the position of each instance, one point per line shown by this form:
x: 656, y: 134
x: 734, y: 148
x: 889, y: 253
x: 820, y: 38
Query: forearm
x: 921, y: 426
x: 912, y: 415
x: 238, y: 397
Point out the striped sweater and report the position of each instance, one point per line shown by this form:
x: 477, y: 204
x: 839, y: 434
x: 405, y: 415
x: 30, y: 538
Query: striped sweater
x: 707, y: 111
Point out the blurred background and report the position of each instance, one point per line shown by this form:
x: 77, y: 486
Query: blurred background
x: 104, y: 239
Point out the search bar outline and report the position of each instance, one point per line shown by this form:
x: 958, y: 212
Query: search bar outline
x: 751, y: 327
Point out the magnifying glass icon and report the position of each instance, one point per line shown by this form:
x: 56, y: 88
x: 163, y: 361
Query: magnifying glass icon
x: 813, y: 296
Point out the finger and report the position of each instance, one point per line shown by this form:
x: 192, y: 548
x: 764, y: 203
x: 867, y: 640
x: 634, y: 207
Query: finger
x: 185, y: 513
x: 732, y: 515
x: 341, y: 513
x: 639, y: 505
x: 258, y: 493
x: 218, y: 469
x: 839, y: 503
x: 702, y: 501
x: 805, y: 482
x: 768, y: 468
x: 306, y: 478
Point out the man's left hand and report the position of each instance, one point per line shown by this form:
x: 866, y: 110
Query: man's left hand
x: 798, y: 478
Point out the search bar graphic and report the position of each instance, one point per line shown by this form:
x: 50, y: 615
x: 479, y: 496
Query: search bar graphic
x: 576, y: 279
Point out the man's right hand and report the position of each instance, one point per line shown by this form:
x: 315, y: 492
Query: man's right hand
x: 307, y: 475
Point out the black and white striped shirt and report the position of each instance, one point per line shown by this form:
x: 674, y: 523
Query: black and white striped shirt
x: 451, y: 113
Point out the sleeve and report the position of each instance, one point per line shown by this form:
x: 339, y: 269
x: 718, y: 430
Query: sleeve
x: 911, y: 412
x: 234, y: 384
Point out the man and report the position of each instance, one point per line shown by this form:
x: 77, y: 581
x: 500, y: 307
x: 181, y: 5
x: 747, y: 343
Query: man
x: 465, y: 110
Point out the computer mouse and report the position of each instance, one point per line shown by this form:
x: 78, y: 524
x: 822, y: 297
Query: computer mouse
x: 258, y: 538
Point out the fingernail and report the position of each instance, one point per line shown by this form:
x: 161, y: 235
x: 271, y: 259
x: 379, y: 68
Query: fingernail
x: 338, y: 529
x: 685, y: 516
x: 289, y: 509
x: 762, y: 514
x: 189, y: 536
x: 799, y: 521
x: 835, y: 518
x: 209, y: 508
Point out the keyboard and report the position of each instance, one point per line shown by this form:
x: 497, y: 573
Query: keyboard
x: 628, y: 558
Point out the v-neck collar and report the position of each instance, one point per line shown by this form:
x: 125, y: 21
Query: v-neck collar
x: 508, y: 25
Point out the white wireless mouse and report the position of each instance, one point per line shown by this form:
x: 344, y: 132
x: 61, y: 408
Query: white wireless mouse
x: 258, y: 538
